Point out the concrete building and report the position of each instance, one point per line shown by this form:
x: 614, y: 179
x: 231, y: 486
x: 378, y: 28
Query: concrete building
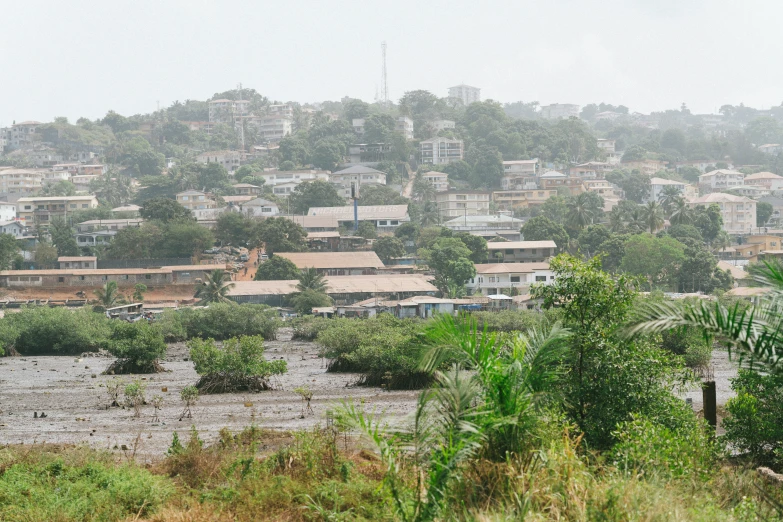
x: 227, y: 111
x: 508, y: 278
x: 559, y: 111
x: 7, y: 211
x: 750, y: 191
x: 20, y: 181
x: 22, y: 134
x: 283, y: 109
x: 272, y: 127
x: 489, y: 227
x: 456, y: 203
x: 336, y: 263
x: 771, y: 148
x: 259, y: 207
x: 658, y: 184
x: 721, y: 179
x: 648, y: 167
x: 603, y: 188
x: 196, y: 200
x: 767, y: 180
x: 519, y: 174
x: 439, y: 125
x: 279, y: 177
x: 283, y: 190
x: 99, y: 232
x: 521, y: 251
x: 77, y: 262
x: 438, y: 151
x: 228, y: 158
x: 43, y: 209
x: 466, y: 93
x: 554, y: 180
x: 386, y: 218
x: 124, y: 277
x: 520, y: 198
x: 739, y: 212
x: 356, y: 176
x: 368, y: 153
x: 12, y: 227
x: 438, y: 180
x: 404, y: 126
x: 591, y: 170
x: 246, y: 189
x: 777, y: 207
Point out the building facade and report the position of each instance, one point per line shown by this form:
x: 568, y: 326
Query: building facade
x: 439, y: 151
x: 739, y: 212
x: 43, y: 209
x: 559, y: 111
x: 228, y: 158
x: 466, y: 93
x: 456, y: 203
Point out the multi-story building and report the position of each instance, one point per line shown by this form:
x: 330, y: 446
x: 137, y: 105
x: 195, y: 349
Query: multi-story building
x: 739, y: 212
x: 22, y: 134
x: 658, y: 184
x: 439, y: 125
x: 602, y: 187
x: 42, y: 209
x: 20, y: 181
x: 438, y: 180
x: 259, y: 207
x: 493, y: 226
x: 12, y: 227
x: 404, y: 126
x: 607, y: 146
x: 228, y: 158
x: 283, y: 109
x: 508, y: 278
x: 768, y: 180
x: 519, y: 174
x: 437, y: 151
x: 559, y: 111
x: 720, y: 179
x: 200, y: 126
x: 272, y: 127
x: 554, y: 180
x: 771, y: 148
x: 777, y: 208
x: 279, y: 177
x: 356, y: 176
x: 358, y: 125
x: 246, y: 189
x: 90, y: 262
x: 196, y: 200
x: 369, y: 152
x: 386, y: 218
x: 456, y: 203
x: 466, y: 93
x: 648, y: 167
x: 751, y: 191
x: 522, y: 198
x: 227, y: 111
x: 591, y: 170
x: 521, y: 251
x: 7, y: 211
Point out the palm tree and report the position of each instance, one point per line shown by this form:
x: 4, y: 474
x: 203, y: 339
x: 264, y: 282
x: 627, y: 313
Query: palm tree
x: 636, y: 220
x: 214, y: 288
x: 754, y: 333
x: 580, y: 211
x: 680, y: 212
x: 108, y: 294
x: 668, y: 196
x: 310, y: 279
x: 617, y: 220
x: 653, y: 216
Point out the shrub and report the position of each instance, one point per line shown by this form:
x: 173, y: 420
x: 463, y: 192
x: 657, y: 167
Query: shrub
x: 222, y: 321
x: 755, y: 422
x: 189, y: 396
x: 134, y: 396
x: 508, y: 320
x: 384, y: 349
x: 304, y: 302
x: 171, y: 326
x: 307, y: 328
x: 238, y: 365
x: 41, y: 330
x: 137, y: 346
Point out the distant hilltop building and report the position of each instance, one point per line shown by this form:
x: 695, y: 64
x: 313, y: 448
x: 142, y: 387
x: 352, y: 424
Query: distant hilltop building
x: 559, y: 111
x: 466, y: 93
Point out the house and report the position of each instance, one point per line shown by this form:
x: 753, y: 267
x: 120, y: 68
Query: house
x: 439, y: 125
x: 488, y: 226
x: 455, y: 203
x: 767, y: 180
x: 702, y: 165
x: 521, y: 251
x: 20, y: 181
x: 509, y: 199
x: 77, y: 262
x: 404, y: 126
x: 519, y: 174
x: 246, y: 189
x: 283, y: 190
x: 280, y: 177
x: 323, y: 241
x: 465, y: 93
x: 508, y: 278
x: 43, y: 208
x: 272, y: 127
x: 259, y: 207
x: 741, y: 277
x: 438, y: 180
x: 316, y: 223
x: 554, y: 180
x: 607, y: 147
x: 82, y: 182
x: 356, y: 176
x: 648, y: 167
x: 91, y: 170
x: 720, y: 179
x: 755, y: 244
x: 12, y: 227
x: 196, y: 200
x: 336, y: 263
x: 7, y: 211
x: 438, y: 151
x: 98, y: 232
x: 771, y: 148
x: 559, y: 111
x: 386, y: 218
x: 228, y: 158
x: 658, y: 184
x: 343, y: 289
x: 128, y: 210
x: 368, y: 153
x: 591, y: 170
x: 739, y: 212
x: 750, y: 191
x: 602, y: 187
x: 124, y: 277
x: 422, y: 306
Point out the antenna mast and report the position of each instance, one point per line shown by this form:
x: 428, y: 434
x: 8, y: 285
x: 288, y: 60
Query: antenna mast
x: 241, y: 121
x: 384, y: 85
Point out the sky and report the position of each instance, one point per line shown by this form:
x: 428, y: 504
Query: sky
x: 82, y: 58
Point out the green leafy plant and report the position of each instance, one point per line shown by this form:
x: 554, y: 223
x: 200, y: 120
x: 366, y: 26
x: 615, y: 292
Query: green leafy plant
x: 189, y: 396
x: 137, y: 346
x: 134, y: 396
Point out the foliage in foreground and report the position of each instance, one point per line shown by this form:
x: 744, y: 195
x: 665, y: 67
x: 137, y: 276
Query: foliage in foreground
x: 307, y: 328
x: 238, y: 365
x: 219, y: 321
x: 40, y: 330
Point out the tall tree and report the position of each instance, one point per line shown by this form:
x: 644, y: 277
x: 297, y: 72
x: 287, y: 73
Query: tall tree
x: 281, y: 235
x: 214, y: 289
x: 541, y: 228
x: 164, y: 209
x: 388, y: 247
x: 63, y: 237
x: 653, y: 216
x: 314, y: 194
x: 277, y: 268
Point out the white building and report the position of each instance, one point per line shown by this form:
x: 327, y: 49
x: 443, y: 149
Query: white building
x: 720, y: 180
x: 283, y: 109
x: 657, y: 185
x: 440, y: 125
x: 519, y: 174
x: 456, y: 203
x: 7, y: 211
x: 404, y: 126
x: 771, y: 148
x: 21, y: 134
x: 521, y: 251
x: 279, y: 177
x: 357, y: 176
x: 226, y: 111
x: 739, y: 212
x: 20, y: 181
x: 466, y: 93
x: 15, y: 228
x: 437, y: 151
x: 228, y: 158
x: 272, y: 127
x: 438, y: 180
x: 607, y: 146
x: 196, y: 200
x: 560, y: 111
x: 259, y: 207
x: 768, y: 180
x: 509, y: 278
x: 386, y: 218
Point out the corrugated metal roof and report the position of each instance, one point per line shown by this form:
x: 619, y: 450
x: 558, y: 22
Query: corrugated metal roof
x: 365, y: 212
x: 341, y: 285
x: 503, y: 245
x: 510, y: 268
x: 333, y: 259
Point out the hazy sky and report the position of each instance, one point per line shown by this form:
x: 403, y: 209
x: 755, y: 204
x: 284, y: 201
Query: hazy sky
x: 83, y: 58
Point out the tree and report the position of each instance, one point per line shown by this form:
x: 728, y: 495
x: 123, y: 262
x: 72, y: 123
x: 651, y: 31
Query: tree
x: 680, y: 232
x: 214, y: 288
x: 699, y: 271
x: 653, y: 216
x: 135, y: 242
x: 45, y: 255
x: 184, y: 239
x: 656, y: 259
x: 611, y: 252
x: 108, y: 295
x: 487, y: 166
x: 353, y: 109
x: 9, y: 250
x: 60, y: 188
x: 379, y: 128
x: 668, y: 197
x: 234, y: 228
x: 476, y: 244
x: 367, y: 229
x: 680, y: 213
x: 277, y: 268
x: 581, y: 212
x: 381, y: 195
x: 310, y: 279
x: 63, y: 237
x: 164, y: 209
x: 388, y: 248
x: 450, y: 259
x: 328, y: 153
x: 591, y: 238
x: 137, y: 347
x: 314, y: 194
x: 763, y: 213
x: 708, y: 220
x: 407, y: 231
x: 281, y: 235
x: 555, y: 209
x: 139, y: 290
x: 541, y: 228
x: 304, y: 302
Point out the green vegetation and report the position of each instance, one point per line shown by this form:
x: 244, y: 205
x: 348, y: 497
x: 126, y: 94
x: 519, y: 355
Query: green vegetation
x: 307, y: 328
x: 219, y: 321
x: 137, y: 347
x: 238, y: 365
x: 277, y: 268
x: 40, y: 330
x: 214, y: 288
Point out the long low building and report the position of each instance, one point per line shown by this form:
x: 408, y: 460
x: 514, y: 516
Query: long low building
x: 343, y: 289
x: 167, y: 275
x: 521, y: 251
x: 385, y: 217
x: 336, y: 263
x: 508, y: 278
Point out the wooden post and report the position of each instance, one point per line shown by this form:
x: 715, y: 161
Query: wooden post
x: 710, y: 403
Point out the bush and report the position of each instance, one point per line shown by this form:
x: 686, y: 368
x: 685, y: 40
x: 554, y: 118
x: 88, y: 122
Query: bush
x: 171, y: 326
x: 384, y: 349
x: 220, y: 321
x: 508, y: 320
x: 238, y: 365
x: 307, y: 328
x: 137, y: 346
x: 304, y: 302
x: 755, y: 422
x: 40, y: 330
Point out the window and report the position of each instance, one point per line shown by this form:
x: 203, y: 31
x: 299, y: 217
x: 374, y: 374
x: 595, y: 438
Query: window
x: 540, y: 278
x: 509, y: 251
x: 184, y: 198
x: 85, y: 205
x: 147, y: 276
x: 81, y: 278
x: 533, y: 251
x: 73, y: 205
x: 104, y: 278
x: 28, y: 207
x: 515, y: 279
x: 492, y: 279
x: 60, y: 279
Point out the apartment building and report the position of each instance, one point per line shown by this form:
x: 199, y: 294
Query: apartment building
x: 554, y: 180
x: 602, y: 187
x: 739, y: 212
x: 721, y: 179
x: 368, y: 152
x: 657, y: 186
x: 456, y: 203
x: 466, y: 93
x: 521, y: 251
x: 196, y: 200
x: 284, y: 109
x: 559, y: 111
x: 768, y: 180
x: 591, y: 170
x: 404, y: 126
x: 607, y: 147
x: 521, y: 198
x: 228, y: 158
x: 439, y: 125
x: 246, y: 189
x: 519, y: 174
x: 98, y: 232
x: 20, y: 181
x: 22, y: 134
x: 438, y: 180
x: 272, y: 127
x: 43, y: 209
x: 438, y: 151
x: 508, y: 278
x: 279, y: 177
x: 226, y: 111
x: 356, y: 176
